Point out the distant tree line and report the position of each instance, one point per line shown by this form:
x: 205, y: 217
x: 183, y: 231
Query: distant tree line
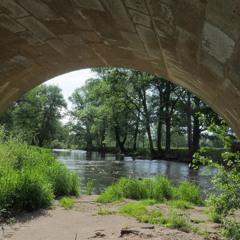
x: 128, y: 109
x: 122, y: 109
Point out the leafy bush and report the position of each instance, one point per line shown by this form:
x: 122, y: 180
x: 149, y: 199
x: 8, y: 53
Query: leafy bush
x: 67, y: 203
x: 231, y: 229
x: 30, y: 177
x: 159, y: 189
x: 162, y: 189
x: 89, y: 187
x: 179, y: 220
x: 224, y: 196
x: 111, y: 194
x: 189, y: 192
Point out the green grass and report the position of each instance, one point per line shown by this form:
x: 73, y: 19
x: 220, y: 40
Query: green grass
x: 67, y: 203
x: 134, y: 209
x: 178, y: 219
x: 89, y: 187
x: 155, y: 217
x: 174, y: 218
x: 104, y: 211
x: 31, y: 177
x: 189, y: 192
x: 181, y: 204
x: 215, y: 217
x: 158, y: 189
x: 231, y: 229
x: 148, y: 202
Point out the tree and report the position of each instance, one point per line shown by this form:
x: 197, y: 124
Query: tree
x: 37, y: 114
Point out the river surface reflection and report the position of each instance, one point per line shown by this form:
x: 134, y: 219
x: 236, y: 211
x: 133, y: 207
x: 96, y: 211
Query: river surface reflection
x: 104, y: 169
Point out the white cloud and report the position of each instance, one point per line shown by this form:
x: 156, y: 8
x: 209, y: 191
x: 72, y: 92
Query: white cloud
x: 70, y: 81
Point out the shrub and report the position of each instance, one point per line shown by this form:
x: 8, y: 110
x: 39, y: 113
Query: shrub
x: 67, y: 203
x: 162, y: 189
x: 111, y: 194
x: 30, y: 177
x: 159, y: 189
x: 189, y: 192
x: 179, y: 220
x: 231, y: 229
x: 89, y: 187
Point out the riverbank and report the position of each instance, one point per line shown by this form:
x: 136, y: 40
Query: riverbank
x: 91, y: 220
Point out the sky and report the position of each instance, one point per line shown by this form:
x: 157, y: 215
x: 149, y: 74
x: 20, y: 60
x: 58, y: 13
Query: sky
x: 70, y: 81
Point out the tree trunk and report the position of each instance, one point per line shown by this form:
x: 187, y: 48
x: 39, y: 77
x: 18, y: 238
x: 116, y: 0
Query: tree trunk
x: 189, y: 125
x: 159, y: 137
x: 196, y: 133
x: 119, y: 143
x: 168, y: 119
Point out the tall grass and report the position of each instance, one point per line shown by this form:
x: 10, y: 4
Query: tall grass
x: 30, y: 177
x: 159, y: 189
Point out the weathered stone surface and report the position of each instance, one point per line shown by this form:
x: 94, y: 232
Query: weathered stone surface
x: 140, y: 18
x: 138, y: 5
x: 12, y: 9
x: 193, y: 43
x: 37, y: 28
x: 39, y: 9
x: 216, y: 43
x: 10, y: 24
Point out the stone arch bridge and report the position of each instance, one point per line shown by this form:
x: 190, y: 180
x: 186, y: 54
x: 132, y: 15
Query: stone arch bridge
x: 193, y: 43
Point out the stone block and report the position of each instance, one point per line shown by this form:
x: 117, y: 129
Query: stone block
x: 120, y: 15
x: 189, y: 17
x: 37, y: 28
x: 88, y: 4
x: 12, y: 9
x: 30, y: 38
x: 38, y: 9
x: 216, y: 43
x: 141, y: 18
x: 10, y: 24
x: 138, y: 5
x: 150, y: 41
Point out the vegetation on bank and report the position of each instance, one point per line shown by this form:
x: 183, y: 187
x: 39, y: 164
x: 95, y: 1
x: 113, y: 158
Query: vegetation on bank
x: 151, y: 192
x: 31, y: 177
x: 159, y: 189
x: 179, y: 198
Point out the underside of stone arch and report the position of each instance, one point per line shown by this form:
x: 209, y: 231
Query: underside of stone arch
x: 193, y: 43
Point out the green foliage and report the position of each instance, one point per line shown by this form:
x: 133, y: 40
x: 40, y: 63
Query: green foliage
x: 224, y: 196
x: 148, y: 202
x: 30, y: 177
x: 134, y: 209
x: 111, y: 194
x: 215, y: 217
x: 155, y: 217
x: 67, y: 203
x: 231, y: 229
x: 158, y: 189
x: 181, y: 204
x: 174, y: 219
x: 189, y: 192
x: 104, y: 211
x: 162, y: 189
x: 36, y: 116
x: 178, y: 219
x: 89, y: 187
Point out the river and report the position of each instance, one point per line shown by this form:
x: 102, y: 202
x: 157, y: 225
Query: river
x: 105, y: 169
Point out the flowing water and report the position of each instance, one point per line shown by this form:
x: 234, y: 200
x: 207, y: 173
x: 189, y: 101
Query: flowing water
x: 104, y: 169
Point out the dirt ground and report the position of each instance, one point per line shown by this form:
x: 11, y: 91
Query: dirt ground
x: 83, y: 222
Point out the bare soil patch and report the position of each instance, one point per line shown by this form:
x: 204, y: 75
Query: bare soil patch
x: 83, y: 222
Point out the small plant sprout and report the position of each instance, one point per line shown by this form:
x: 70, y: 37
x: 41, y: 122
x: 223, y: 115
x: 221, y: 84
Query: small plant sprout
x: 89, y: 187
